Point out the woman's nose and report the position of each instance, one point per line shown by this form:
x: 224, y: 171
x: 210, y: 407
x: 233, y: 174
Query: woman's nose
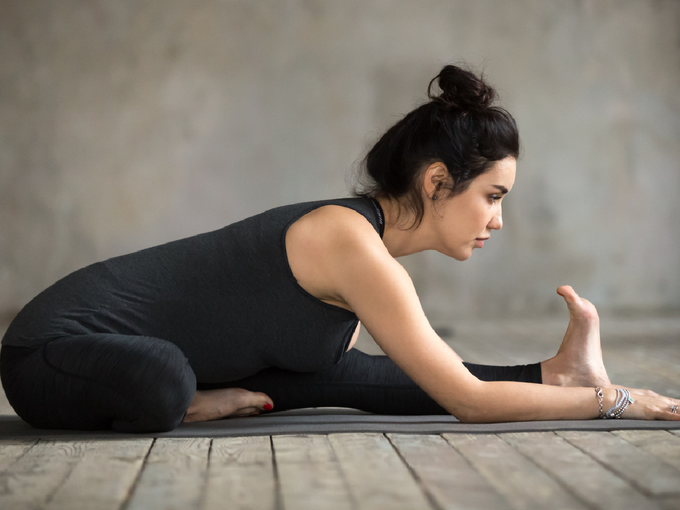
x: 496, y: 222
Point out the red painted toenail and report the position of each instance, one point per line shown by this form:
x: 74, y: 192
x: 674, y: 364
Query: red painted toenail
x: 268, y: 407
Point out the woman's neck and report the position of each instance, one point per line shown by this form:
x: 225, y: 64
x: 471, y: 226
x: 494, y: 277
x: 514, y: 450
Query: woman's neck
x: 398, y: 239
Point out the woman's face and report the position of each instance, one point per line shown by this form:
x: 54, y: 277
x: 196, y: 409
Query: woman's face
x: 465, y: 221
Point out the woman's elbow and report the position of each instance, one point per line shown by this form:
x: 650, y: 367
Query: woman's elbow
x: 467, y: 414
x: 469, y: 409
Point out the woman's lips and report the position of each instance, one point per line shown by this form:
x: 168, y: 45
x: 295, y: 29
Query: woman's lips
x: 480, y: 241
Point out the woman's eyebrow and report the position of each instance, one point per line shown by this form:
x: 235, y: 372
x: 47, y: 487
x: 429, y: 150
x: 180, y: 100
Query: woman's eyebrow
x: 500, y: 188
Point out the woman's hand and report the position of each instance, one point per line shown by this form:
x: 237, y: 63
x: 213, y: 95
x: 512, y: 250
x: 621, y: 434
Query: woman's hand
x: 648, y: 405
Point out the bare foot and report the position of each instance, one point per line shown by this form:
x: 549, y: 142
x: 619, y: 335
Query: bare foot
x: 578, y: 361
x: 216, y: 404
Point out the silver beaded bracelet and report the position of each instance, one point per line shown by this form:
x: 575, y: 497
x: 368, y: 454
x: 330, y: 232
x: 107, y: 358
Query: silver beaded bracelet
x: 598, y: 393
x: 623, y: 400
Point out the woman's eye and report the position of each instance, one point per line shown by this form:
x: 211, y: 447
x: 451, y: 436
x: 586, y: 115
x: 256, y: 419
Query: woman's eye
x: 493, y: 198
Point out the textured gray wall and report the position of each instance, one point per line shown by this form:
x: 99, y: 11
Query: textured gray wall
x: 124, y: 124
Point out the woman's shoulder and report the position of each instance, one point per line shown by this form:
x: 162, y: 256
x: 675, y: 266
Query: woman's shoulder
x: 320, y: 243
x: 333, y: 225
x: 335, y: 211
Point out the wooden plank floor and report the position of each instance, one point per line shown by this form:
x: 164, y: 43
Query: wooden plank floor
x: 630, y: 469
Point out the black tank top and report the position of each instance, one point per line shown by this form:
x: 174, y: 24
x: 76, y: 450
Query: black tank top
x: 228, y: 299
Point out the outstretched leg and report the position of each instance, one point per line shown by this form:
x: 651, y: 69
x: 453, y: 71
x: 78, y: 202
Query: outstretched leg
x: 360, y: 381
x: 376, y: 384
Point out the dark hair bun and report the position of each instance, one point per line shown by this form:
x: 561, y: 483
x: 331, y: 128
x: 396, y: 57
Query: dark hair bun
x: 462, y: 90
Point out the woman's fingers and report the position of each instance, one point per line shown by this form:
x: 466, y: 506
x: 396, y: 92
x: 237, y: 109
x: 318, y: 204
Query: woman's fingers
x: 647, y: 407
x: 670, y: 412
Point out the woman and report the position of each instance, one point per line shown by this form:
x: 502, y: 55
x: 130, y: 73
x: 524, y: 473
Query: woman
x: 265, y: 311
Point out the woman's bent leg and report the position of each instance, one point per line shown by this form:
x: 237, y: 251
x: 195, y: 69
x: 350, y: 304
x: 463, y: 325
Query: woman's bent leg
x: 361, y: 381
x: 99, y: 381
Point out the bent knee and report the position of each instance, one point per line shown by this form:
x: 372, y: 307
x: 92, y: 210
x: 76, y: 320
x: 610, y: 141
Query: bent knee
x: 161, y: 404
x: 84, y: 385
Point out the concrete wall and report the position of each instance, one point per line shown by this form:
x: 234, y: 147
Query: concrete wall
x: 126, y: 123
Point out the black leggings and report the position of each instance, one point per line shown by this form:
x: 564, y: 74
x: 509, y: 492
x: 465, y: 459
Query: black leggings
x: 142, y: 384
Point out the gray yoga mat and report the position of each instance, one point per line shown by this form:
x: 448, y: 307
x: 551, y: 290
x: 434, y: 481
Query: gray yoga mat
x: 327, y: 421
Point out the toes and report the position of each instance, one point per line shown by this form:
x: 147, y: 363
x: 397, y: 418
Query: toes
x: 568, y: 293
x: 574, y: 303
x: 264, y: 402
x: 255, y: 400
x: 579, y: 308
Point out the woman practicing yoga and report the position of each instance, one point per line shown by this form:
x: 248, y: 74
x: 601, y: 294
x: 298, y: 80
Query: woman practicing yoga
x: 263, y: 313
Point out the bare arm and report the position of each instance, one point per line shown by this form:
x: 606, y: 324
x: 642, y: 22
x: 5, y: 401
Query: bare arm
x: 381, y: 293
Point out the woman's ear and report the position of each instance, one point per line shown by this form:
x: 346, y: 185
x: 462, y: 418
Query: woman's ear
x: 435, y: 178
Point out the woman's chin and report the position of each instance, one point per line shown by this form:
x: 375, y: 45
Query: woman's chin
x: 461, y: 255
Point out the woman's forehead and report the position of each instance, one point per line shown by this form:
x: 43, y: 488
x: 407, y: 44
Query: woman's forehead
x: 502, y: 173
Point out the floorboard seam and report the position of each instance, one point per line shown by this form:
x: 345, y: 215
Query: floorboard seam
x: 655, y: 456
x: 430, y: 497
x: 631, y: 483
x: 50, y: 496
x: 549, y: 472
x: 278, y: 496
x: 133, y: 486
x: 350, y: 494
x: 473, y: 467
x: 206, y: 476
x: 35, y: 442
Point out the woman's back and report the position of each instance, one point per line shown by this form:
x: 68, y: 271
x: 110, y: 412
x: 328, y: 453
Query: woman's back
x: 226, y: 298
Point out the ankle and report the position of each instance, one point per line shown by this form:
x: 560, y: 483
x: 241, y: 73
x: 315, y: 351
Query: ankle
x: 551, y: 375
x: 196, y: 402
